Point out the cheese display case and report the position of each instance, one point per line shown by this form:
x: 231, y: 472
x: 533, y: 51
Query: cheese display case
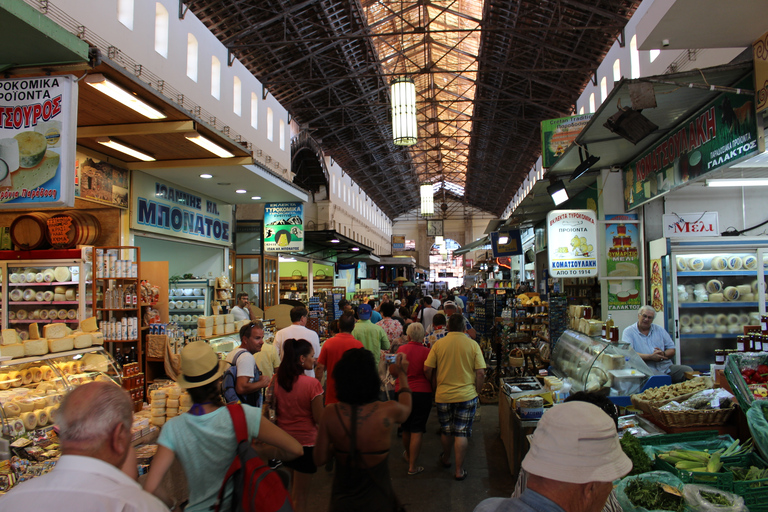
x: 597, y: 365
x: 32, y: 387
x: 45, y: 291
x: 188, y: 300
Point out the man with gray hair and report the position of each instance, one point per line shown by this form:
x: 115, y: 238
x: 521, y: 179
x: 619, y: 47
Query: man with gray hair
x: 451, y: 308
x: 94, y: 424
x: 654, y: 345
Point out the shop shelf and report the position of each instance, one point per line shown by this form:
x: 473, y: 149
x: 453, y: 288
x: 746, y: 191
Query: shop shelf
x: 47, y: 320
x: 715, y: 336
x: 188, y: 310
x: 717, y: 273
x: 703, y: 305
x: 133, y: 310
x: 44, y: 302
x: 63, y: 283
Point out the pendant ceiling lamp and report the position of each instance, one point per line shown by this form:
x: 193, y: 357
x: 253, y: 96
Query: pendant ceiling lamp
x: 403, y: 94
x: 427, y: 200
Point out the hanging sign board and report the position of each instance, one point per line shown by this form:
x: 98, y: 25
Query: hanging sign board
x: 506, y: 243
x: 398, y: 242
x: 38, y: 129
x: 718, y: 135
x: 760, y: 58
x: 168, y: 209
x: 558, y: 134
x: 691, y: 224
x: 572, y: 243
x: 283, y: 227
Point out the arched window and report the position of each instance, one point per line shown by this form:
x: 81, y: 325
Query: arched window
x: 282, y: 135
x: 192, y: 57
x: 125, y: 13
x: 617, y: 70
x: 634, y: 57
x: 254, y: 111
x: 237, y: 96
x: 653, y: 54
x: 270, y: 125
x: 161, y: 30
x: 603, y: 89
x: 215, y: 78
x: 581, y: 110
x: 592, y: 103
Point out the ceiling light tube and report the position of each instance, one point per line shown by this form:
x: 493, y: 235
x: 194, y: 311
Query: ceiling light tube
x: 114, y: 91
x: 208, y: 145
x: 118, y: 146
x: 403, y: 97
x: 738, y: 182
x: 558, y: 192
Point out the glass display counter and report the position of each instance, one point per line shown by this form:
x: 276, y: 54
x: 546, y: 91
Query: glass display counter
x: 597, y: 365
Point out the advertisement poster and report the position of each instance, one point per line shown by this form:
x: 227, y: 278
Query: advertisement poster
x: 622, y: 259
x: 398, y: 242
x: 717, y: 136
x: 283, y: 227
x: 38, y: 132
x: 657, y: 294
x: 101, y: 182
x: 168, y: 209
x: 572, y: 247
x: 558, y: 134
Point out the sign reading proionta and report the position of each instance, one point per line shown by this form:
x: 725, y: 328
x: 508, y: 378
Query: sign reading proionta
x: 37, y: 142
x: 572, y: 244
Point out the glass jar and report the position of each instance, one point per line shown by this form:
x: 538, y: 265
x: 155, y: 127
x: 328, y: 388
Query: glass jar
x: 757, y: 343
x: 720, y: 356
x: 741, y: 343
x: 764, y: 324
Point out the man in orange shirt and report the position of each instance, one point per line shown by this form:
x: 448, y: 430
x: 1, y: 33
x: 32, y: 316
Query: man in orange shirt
x: 331, y: 352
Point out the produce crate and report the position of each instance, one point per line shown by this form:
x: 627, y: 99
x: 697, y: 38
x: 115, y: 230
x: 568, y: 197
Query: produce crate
x: 733, y: 367
x: 722, y: 480
x: 754, y: 492
x: 672, y: 439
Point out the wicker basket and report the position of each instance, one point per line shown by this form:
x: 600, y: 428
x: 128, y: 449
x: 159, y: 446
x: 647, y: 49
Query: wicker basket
x: 296, y: 275
x: 156, y: 345
x: 647, y: 405
x: 692, y: 418
x: 320, y: 275
x: 516, y: 362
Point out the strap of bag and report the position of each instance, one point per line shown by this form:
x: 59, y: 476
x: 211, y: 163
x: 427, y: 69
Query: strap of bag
x: 239, y: 422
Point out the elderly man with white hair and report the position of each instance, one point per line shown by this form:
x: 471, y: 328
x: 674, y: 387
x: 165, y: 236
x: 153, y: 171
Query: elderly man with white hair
x: 654, y: 345
x: 94, y: 424
x: 574, y: 458
x: 450, y: 308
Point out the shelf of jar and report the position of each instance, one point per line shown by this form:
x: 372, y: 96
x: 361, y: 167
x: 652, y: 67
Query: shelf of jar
x: 716, y: 273
x: 40, y: 321
x: 724, y: 336
x: 187, y: 310
x: 186, y: 297
x: 118, y: 309
x: 700, y: 305
x: 63, y: 283
x: 44, y: 302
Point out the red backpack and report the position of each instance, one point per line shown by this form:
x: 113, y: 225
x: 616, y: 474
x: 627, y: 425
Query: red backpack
x: 257, y: 487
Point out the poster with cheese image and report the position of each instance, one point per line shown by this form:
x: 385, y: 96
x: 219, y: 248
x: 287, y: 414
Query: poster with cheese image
x: 622, y: 260
x: 283, y: 227
x: 38, y: 117
x: 572, y: 243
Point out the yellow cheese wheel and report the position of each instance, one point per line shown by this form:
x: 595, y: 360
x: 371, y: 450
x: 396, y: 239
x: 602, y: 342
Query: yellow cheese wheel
x: 48, y: 373
x: 26, y: 377
x: 37, y: 374
x: 172, y: 404
x: 29, y: 419
x: 5, y: 382
x: 39, y: 403
x: 172, y: 412
x: 160, y: 411
x: 42, y: 417
x: 158, y: 421
x: 11, y: 409
x: 15, y: 378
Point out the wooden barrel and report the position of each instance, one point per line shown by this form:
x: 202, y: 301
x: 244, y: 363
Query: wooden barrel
x: 29, y: 231
x: 71, y: 229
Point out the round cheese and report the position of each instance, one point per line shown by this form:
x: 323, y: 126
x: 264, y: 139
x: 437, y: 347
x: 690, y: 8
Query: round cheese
x: 48, y: 374
x: 32, y: 147
x: 62, y: 274
x: 172, y: 403
x: 29, y: 419
x: 26, y: 377
x: 42, y: 417
x: 15, y: 378
x: 160, y: 411
x: 39, y: 403
x: 158, y: 421
x: 37, y: 374
x: 5, y: 382
x: 11, y: 409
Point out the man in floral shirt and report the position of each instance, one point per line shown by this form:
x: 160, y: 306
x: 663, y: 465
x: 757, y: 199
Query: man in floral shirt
x: 392, y: 327
x: 438, y: 325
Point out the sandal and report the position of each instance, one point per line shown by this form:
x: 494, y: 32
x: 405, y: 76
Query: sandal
x: 444, y: 464
x: 463, y: 476
x: 418, y: 470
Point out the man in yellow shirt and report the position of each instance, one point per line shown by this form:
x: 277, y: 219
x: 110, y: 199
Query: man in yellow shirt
x: 267, y: 360
x: 460, y: 368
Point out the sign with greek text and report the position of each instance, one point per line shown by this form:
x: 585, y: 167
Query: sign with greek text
x: 622, y: 259
x: 168, y: 209
x: 691, y: 224
x: 572, y: 243
x: 558, y: 134
x: 718, y: 135
x: 283, y: 227
x: 38, y: 130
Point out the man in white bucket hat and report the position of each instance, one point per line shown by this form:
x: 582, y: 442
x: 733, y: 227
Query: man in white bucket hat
x: 574, y: 458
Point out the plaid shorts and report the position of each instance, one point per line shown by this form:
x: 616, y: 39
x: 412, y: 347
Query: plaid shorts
x: 456, y: 418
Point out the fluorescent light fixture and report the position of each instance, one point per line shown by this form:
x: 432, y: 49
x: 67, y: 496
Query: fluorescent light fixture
x: 283, y: 259
x: 738, y: 182
x: 240, y: 191
x: 335, y: 241
x: 206, y: 176
x: 403, y: 97
x: 355, y: 249
x: 427, y: 199
x: 114, y: 91
x: 503, y: 239
x: 208, y: 145
x: 558, y: 192
x: 255, y: 198
x: 117, y: 146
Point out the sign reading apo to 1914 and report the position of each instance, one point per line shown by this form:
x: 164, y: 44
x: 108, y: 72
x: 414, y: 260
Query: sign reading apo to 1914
x: 572, y: 243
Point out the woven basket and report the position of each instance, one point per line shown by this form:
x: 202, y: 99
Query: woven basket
x: 320, y: 275
x: 156, y: 345
x: 692, y: 418
x: 647, y: 405
x: 516, y: 362
x: 296, y: 275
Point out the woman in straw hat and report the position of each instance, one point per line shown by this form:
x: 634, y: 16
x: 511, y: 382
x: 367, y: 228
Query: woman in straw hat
x: 204, y: 438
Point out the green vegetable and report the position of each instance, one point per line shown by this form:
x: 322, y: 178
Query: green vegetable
x: 716, y: 498
x: 651, y: 495
x: 753, y: 473
x: 641, y: 463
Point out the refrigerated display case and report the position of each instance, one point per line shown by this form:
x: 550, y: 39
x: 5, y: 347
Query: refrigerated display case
x: 709, y: 289
x: 188, y: 299
x: 45, y: 287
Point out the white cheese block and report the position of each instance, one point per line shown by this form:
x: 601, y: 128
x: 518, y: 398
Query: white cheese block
x: 59, y: 297
x: 62, y: 274
x: 205, y: 321
x: 97, y: 338
x: 206, y: 332
x: 35, y: 348
x: 55, y: 331
x: 218, y: 329
x: 33, y: 177
x: 61, y: 344
x: 229, y: 327
x: 60, y: 290
x: 240, y: 323
x: 83, y: 340
x: 34, y: 332
x: 89, y: 325
x: 10, y: 337
x: 229, y: 318
x: 219, y: 320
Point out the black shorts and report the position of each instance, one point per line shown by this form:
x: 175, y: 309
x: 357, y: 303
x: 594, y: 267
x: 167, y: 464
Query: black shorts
x: 421, y: 405
x: 305, y: 463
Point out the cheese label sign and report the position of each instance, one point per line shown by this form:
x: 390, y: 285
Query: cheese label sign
x: 38, y: 128
x: 169, y: 209
x: 572, y: 243
x: 283, y: 227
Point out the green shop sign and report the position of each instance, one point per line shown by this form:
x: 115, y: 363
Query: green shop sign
x: 718, y: 135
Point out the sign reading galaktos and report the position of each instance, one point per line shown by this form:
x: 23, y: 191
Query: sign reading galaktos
x: 572, y: 243
x: 37, y: 142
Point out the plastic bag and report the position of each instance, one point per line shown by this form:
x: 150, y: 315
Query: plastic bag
x: 707, y: 399
x: 758, y: 425
x: 694, y: 499
x: 712, y: 444
x: 661, y: 477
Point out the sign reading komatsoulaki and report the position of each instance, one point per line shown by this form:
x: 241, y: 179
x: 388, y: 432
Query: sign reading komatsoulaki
x: 168, y: 209
x: 718, y: 135
x: 38, y: 117
x: 283, y: 227
x: 572, y: 243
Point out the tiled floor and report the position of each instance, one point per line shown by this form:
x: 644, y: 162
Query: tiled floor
x: 435, y: 489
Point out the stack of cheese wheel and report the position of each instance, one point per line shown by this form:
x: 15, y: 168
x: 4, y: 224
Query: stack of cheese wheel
x: 158, y: 399
x: 185, y: 402
x: 172, y: 404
